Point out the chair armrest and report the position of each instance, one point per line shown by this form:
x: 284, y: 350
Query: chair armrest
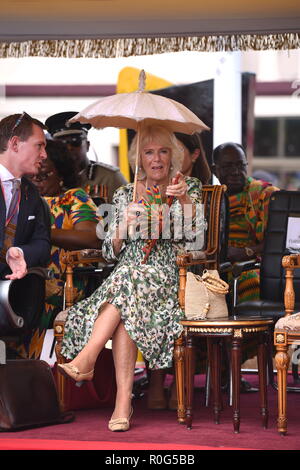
x: 183, y: 259
x: 225, y: 267
x: 44, y: 273
x: 86, y: 256
x: 291, y: 261
x: 243, y: 266
x: 194, y: 258
x: 237, y: 269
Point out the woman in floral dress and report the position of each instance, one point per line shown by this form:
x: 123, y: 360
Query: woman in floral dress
x: 137, y: 305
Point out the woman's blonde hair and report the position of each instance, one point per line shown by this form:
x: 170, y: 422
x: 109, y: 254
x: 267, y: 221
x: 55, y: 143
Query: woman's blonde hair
x: 166, y: 138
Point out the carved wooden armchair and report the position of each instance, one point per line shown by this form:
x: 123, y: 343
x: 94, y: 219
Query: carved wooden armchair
x: 213, y: 199
x: 232, y: 329
x: 93, y: 263
x: 215, y: 210
x: 287, y: 333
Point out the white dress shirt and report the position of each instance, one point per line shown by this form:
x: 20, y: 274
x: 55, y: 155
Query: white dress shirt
x: 6, y: 181
x: 7, y: 185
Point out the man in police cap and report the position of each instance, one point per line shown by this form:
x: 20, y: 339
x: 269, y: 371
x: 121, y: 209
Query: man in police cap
x: 93, y: 174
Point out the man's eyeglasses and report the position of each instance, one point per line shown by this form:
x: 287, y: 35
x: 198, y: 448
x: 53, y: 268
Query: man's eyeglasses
x: 18, y: 122
x: 73, y: 141
x: 229, y: 167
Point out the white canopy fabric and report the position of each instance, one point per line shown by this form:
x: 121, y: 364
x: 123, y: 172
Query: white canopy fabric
x: 115, y: 28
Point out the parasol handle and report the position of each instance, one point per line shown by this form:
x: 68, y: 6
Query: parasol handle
x: 142, y: 80
x: 136, y: 170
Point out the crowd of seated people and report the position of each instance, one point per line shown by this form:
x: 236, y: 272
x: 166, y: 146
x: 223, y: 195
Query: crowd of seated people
x: 137, y: 305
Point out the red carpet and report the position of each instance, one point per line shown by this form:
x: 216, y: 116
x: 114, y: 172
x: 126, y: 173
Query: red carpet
x: 160, y: 429
x: 43, y: 444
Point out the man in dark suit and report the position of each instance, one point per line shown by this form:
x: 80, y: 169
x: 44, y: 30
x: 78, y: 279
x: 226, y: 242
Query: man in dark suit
x: 24, y: 229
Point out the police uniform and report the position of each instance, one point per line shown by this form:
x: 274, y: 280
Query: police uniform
x: 98, y: 179
x: 97, y: 174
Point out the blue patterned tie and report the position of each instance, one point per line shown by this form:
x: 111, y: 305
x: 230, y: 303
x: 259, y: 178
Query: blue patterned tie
x: 13, y: 207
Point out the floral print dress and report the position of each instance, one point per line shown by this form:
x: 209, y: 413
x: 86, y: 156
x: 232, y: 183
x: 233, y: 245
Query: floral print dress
x: 146, y: 295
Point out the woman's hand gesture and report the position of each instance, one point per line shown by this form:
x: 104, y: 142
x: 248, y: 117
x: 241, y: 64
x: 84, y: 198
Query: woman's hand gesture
x: 178, y: 188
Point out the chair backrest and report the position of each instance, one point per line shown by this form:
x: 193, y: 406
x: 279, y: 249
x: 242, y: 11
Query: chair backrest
x: 99, y: 194
x: 215, y: 211
x: 283, y: 205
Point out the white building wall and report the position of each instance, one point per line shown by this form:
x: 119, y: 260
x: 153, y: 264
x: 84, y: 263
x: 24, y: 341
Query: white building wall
x: 178, y: 68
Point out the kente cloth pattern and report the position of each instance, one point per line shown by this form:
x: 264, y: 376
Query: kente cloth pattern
x: 66, y: 210
x: 151, y: 223
x: 146, y: 295
x: 247, y: 223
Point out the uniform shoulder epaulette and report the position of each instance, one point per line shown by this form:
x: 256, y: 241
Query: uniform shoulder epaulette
x: 106, y: 165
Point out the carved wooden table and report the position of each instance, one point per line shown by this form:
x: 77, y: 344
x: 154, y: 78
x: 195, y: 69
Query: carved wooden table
x: 235, y: 329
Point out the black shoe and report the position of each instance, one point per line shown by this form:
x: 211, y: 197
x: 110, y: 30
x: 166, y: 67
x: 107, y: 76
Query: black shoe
x: 139, y: 386
x: 246, y: 387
